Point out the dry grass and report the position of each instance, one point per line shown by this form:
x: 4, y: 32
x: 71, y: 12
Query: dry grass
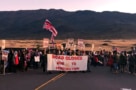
x: 121, y: 44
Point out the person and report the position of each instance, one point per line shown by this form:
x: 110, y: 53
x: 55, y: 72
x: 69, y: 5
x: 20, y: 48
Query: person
x: 27, y: 60
x: 43, y: 59
x: 110, y: 61
x: 16, y: 61
x: 1, y: 62
x: 95, y: 60
x: 131, y: 60
x: 89, y: 62
x: 36, y: 58
x: 10, y: 61
x: 123, y: 62
x: 21, y: 60
x: 115, y: 62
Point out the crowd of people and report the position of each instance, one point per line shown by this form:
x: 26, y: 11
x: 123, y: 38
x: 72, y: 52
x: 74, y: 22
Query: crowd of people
x: 20, y: 60
x: 24, y: 59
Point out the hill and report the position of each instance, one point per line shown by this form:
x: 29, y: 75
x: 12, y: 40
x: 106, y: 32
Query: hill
x: 27, y: 24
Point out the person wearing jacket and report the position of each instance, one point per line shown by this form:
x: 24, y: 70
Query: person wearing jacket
x: 43, y: 59
x: 16, y: 61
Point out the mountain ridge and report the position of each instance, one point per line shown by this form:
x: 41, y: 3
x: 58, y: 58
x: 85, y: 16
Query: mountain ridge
x: 85, y: 24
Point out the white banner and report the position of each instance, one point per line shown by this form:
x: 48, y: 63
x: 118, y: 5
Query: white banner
x: 45, y: 42
x: 70, y: 43
x: 81, y: 44
x: 66, y: 63
x: 3, y: 44
x: 37, y: 58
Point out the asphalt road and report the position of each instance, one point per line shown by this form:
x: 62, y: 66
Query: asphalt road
x: 99, y: 79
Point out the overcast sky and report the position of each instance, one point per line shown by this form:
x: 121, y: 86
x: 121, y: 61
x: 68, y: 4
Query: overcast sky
x: 128, y: 6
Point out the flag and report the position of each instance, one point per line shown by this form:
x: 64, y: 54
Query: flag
x: 48, y: 25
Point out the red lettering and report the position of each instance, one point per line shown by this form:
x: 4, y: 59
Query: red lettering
x: 75, y: 68
x: 53, y: 56
x: 63, y: 68
x: 60, y: 63
x: 58, y: 57
x: 73, y: 63
x: 73, y: 57
x: 67, y: 57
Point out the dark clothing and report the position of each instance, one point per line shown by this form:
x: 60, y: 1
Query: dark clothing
x: 115, y: 62
x: 122, y: 62
x: 10, y: 66
x: 131, y: 64
x: 95, y: 60
x: 21, y: 62
x: 89, y: 64
x: 43, y: 59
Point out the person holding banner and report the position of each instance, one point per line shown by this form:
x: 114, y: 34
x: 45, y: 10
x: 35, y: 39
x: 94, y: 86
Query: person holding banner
x: 43, y: 59
x: 89, y: 62
x: 84, y: 53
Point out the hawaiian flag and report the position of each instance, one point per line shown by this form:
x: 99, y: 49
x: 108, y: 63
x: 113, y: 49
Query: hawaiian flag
x: 48, y: 25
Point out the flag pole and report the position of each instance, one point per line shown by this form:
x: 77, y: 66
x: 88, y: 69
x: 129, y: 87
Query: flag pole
x: 48, y: 25
x: 52, y: 40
